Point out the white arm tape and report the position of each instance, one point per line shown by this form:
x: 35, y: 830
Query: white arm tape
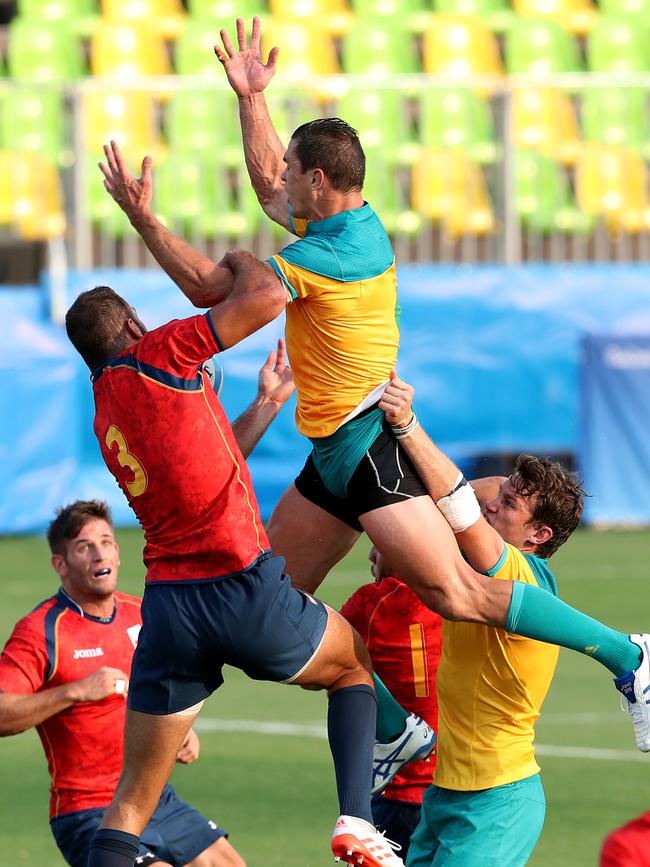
x: 460, y: 507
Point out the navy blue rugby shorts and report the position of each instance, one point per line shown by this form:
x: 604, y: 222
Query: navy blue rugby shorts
x: 255, y: 621
x: 176, y: 833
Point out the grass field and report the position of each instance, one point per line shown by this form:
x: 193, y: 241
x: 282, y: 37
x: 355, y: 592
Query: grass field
x: 274, y: 789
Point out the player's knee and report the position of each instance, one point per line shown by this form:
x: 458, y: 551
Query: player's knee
x: 220, y: 854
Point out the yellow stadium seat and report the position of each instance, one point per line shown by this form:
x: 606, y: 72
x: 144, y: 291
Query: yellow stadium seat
x: 333, y: 15
x: 577, y: 16
x: 128, y: 117
x: 450, y: 189
x: 458, y: 45
x: 167, y: 17
x: 612, y: 183
x: 306, y: 51
x: 123, y: 49
x: 31, y: 198
x: 544, y: 119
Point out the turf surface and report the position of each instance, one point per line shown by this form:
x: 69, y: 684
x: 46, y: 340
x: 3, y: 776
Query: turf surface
x: 275, y: 791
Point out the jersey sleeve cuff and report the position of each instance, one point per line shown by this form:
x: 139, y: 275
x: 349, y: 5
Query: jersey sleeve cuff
x: 502, y: 559
x: 287, y: 285
x: 214, y: 333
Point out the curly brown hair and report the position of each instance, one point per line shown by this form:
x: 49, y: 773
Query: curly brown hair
x: 70, y: 519
x: 559, y: 497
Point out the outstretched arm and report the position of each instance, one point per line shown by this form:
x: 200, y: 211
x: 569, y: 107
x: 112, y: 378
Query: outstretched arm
x: 199, y: 278
x: 263, y: 150
x: 20, y: 712
x: 275, y: 387
x: 482, y: 544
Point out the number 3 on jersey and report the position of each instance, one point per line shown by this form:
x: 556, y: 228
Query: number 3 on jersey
x: 138, y: 485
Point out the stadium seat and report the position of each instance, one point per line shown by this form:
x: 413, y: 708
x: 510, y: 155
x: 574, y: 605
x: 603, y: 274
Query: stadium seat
x: 448, y: 188
x: 198, y: 198
x: 625, y: 7
x: 43, y: 51
x: 617, y: 116
x: 496, y: 14
x: 167, y: 17
x: 194, y: 49
x: 379, y: 47
x: 129, y: 118
x: 334, y: 16
x: 289, y: 108
x: 576, y: 16
x: 127, y: 50
x: 204, y: 121
x: 540, y: 46
x: 224, y: 12
x: 386, y: 191
x: 381, y: 118
x: 31, y: 198
x: 544, y: 120
x: 544, y: 199
x: 618, y: 44
x: 612, y: 183
x: 307, y: 51
x: 458, y: 45
x: 34, y: 120
x: 78, y: 15
x: 457, y: 117
x: 414, y: 13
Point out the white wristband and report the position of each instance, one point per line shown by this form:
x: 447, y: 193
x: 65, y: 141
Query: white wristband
x: 460, y: 507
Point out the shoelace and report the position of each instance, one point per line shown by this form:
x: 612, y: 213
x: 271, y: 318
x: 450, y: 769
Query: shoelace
x: 396, y: 847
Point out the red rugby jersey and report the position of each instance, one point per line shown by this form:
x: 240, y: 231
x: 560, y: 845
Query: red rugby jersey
x: 57, y: 644
x: 166, y: 439
x: 404, y: 639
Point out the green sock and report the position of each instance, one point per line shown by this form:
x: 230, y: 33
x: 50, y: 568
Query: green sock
x: 391, y: 716
x: 538, y: 614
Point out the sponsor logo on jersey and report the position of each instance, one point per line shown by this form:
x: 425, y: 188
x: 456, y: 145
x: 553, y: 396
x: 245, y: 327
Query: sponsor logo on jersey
x: 133, y: 632
x: 87, y: 652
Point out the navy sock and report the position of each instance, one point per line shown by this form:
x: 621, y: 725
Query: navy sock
x: 110, y: 848
x: 351, y: 720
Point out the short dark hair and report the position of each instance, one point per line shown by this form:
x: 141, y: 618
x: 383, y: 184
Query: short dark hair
x: 70, y: 519
x: 559, y: 500
x: 330, y: 144
x: 95, y: 325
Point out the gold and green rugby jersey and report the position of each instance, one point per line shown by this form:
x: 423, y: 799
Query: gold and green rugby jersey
x: 491, y: 685
x: 342, y: 322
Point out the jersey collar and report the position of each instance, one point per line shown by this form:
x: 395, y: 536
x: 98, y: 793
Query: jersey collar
x: 68, y: 602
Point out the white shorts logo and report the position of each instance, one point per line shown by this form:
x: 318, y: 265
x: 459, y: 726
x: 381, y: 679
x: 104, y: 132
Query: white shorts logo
x: 87, y: 652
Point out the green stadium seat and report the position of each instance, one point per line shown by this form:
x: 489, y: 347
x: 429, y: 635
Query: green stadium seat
x: 204, y: 121
x: 198, y: 198
x: 625, y: 7
x: 78, y: 15
x: 379, y: 47
x: 387, y: 193
x: 617, y: 116
x: 497, y: 14
x: 381, y: 118
x: 194, y: 49
x: 34, y: 120
x: 44, y: 51
x: 224, y: 12
x: 618, y: 44
x: 540, y: 46
x: 544, y: 200
x: 290, y: 108
x: 457, y: 117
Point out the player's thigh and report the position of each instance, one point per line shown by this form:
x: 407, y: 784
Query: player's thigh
x: 415, y: 538
x: 74, y: 831
x: 219, y: 854
x: 310, y: 538
x: 497, y: 827
x: 424, y: 842
x: 341, y: 660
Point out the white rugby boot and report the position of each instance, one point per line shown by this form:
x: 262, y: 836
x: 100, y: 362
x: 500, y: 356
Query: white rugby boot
x: 635, y: 689
x: 417, y: 741
x: 357, y: 842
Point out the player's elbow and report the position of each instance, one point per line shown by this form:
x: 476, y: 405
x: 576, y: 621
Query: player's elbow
x: 269, y: 297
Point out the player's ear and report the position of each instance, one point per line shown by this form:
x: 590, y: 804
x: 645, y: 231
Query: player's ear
x: 317, y: 179
x: 59, y: 565
x: 541, y: 534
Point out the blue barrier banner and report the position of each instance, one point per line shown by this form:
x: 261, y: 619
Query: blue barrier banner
x: 615, y: 449
x: 493, y: 352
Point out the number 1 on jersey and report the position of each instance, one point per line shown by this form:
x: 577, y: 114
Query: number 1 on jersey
x: 419, y: 660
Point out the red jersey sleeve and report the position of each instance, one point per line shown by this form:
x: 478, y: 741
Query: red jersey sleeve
x: 24, y: 662
x: 359, y: 608
x: 180, y: 346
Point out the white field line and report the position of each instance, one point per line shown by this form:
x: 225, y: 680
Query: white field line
x: 318, y: 730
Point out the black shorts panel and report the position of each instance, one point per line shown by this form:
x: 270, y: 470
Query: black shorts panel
x: 385, y: 475
x: 311, y: 486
